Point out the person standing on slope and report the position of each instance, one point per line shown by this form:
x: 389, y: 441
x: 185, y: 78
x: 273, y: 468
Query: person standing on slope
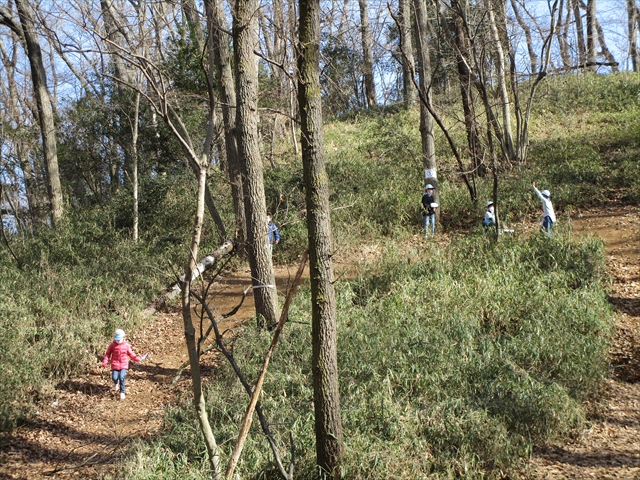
x: 429, y: 204
x: 549, y: 216
x: 489, y: 219
x: 118, y: 355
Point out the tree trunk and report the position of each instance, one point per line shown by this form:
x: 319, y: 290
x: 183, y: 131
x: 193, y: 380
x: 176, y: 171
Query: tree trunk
x: 326, y: 396
x: 533, y: 56
x: 426, y: 120
x: 408, y: 90
x: 219, y: 44
x: 591, y: 36
x: 190, y: 332
x: 369, y: 84
x: 561, y: 34
x: 632, y: 25
x: 245, y: 35
x: 605, y: 50
x: 134, y: 154
x: 582, y: 50
x: 43, y: 102
x: 464, y: 77
x: 507, y: 134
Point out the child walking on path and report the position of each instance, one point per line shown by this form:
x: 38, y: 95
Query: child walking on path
x: 118, y: 354
x: 549, y: 216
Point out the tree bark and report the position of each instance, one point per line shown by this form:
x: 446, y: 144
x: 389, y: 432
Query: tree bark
x: 26, y: 30
x: 632, y: 31
x: 582, y: 50
x: 245, y: 35
x: 465, y: 80
x: 326, y: 396
x: 219, y: 44
x: 409, y: 93
x: 507, y: 134
x: 591, y: 36
x: 369, y: 83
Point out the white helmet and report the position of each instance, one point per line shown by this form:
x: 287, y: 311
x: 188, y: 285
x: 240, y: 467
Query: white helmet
x: 429, y: 187
x: 119, y: 335
x: 546, y: 193
x: 489, y: 204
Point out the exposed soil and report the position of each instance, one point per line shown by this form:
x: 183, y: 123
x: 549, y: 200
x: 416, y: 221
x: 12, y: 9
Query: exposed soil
x: 610, y: 447
x: 86, y: 428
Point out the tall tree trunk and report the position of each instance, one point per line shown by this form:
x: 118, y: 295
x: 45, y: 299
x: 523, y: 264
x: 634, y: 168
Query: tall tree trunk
x: 369, y: 84
x: 43, y: 102
x: 582, y: 50
x: 591, y: 35
x: 426, y: 120
x: 245, y: 36
x: 219, y: 45
x: 326, y: 395
x: 561, y: 34
x: 190, y: 332
x: 134, y: 154
x: 632, y: 32
x: 409, y: 93
x: 507, y: 136
x: 464, y: 78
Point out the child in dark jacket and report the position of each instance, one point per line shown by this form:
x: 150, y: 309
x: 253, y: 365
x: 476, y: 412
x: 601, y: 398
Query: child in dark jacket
x: 118, y: 354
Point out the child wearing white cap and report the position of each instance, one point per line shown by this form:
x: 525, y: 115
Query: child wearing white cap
x: 429, y: 204
x: 489, y: 219
x: 118, y: 355
x: 549, y: 216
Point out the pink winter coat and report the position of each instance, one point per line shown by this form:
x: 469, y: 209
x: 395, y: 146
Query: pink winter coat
x: 119, y: 353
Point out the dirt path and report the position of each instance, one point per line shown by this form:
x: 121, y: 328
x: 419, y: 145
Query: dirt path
x: 610, y: 447
x: 86, y: 427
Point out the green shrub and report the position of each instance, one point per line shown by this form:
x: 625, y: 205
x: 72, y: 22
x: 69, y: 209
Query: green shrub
x: 451, y: 367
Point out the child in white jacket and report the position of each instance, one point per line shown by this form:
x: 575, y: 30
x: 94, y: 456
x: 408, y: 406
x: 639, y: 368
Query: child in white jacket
x: 549, y: 216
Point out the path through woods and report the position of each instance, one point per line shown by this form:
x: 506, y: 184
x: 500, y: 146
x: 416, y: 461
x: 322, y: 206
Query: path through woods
x: 610, y: 447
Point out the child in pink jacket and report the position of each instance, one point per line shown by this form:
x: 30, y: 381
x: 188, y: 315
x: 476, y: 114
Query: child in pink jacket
x: 119, y: 351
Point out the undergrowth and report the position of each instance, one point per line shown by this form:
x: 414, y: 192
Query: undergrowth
x: 450, y: 367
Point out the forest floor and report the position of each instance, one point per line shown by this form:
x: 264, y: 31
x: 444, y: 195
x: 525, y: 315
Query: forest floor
x: 85, y: 428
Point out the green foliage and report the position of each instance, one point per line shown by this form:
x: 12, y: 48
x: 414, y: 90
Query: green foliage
x: 450, y: 367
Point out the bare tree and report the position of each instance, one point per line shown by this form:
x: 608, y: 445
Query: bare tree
x: 582, y: 49
x: 406, y: 44
x: 500, y: 64
x: 25, y: 30
x: 199, y: 400
x: 367, y: 56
